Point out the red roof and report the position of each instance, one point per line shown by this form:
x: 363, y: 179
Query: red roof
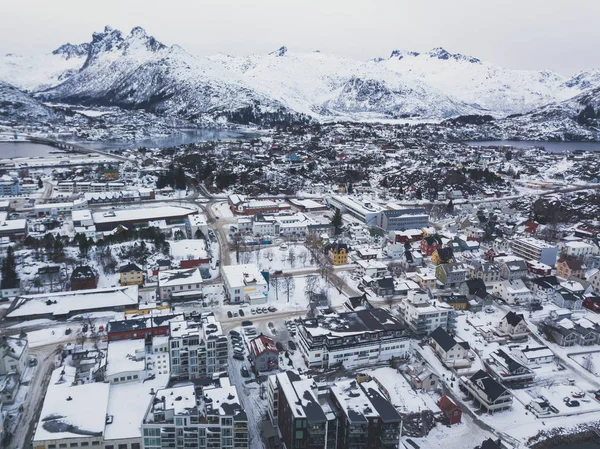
x: 262, y: 344
x: 446, y: 405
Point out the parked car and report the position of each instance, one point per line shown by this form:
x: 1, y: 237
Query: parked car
x: 264, y: 310
x: 245, y: 372
x: 259, y: 310
x: 271, y: 325
x: 272, y: 309
x: 276, y: 272
x: 235, y: 314
x: 234, y: 332
x: 229, y: 314
x: 85, y: 327
x: 253, y: 311
x: 292, y: 345
x: 246, y: 323
x: 238, y: 357
x: 242, y: 312
x: 279, y: 346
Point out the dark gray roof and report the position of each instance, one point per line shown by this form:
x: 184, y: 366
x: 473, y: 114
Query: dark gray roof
x: 514, y: 318
x: 443, y: 338
x: 475, y: 285
x: 387, y: 412
x: 490, y: 387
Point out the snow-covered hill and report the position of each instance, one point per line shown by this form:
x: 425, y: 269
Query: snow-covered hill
x: 17, y: 107
x: 138, y: 71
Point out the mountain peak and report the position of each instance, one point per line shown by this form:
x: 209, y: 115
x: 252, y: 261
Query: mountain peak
x: 150, y: 42
x: 399, y: 54
x: 281, y: 51
x: 69, y: 50
x: 443, y: 54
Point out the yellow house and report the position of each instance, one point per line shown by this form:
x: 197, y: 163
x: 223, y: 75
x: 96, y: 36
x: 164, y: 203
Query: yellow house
x: 131, y: 274
x: 338, y: 253
x: 442, y: 255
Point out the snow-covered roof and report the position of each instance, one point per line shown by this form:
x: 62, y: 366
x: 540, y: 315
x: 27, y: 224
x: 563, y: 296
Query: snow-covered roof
x: 63, y: 303
x: 221, y: 399
x: 83, y: 214
x: 171, y: 278
x: 238, y: 275
x: 188, y: 249
x: 121, y: 356
x: 148, y: 213
x: 127, y: 405
x: 179, y: 399
x: 72, y: 411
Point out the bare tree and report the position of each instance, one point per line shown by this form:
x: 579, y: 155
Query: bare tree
x: 588, y: 364
x: 288, y: 285
x: 80, y: 338
x: 336, y: 281
x: 291, y: 256
x: 96, y: 337
x: 302, y: 258
x: 395, y: 268
x: 276, y: 282
x: 237, y: 244
x: 311, y: 284
x: 390, y: 300
x: 269, y: 254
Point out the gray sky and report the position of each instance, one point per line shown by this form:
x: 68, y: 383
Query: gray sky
x: 559, y: 35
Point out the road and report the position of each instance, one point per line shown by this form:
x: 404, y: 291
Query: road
x: 32, y: 406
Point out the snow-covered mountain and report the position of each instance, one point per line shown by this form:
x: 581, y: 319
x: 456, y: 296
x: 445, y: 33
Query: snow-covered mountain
x: 18, y: 106
x: 138, y: 71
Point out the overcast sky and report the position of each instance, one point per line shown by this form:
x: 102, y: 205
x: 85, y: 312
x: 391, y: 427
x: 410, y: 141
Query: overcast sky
x: 559, y: 35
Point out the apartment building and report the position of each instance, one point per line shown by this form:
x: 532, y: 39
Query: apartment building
x: 180, y: 417
x: 352, y: 339
x: 179, y: 284
x: 529, y: 248
x: 401, y: 219
x: 197, y: 348
x: 421, y: 315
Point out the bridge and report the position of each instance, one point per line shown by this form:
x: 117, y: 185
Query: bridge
x: 72, y: 147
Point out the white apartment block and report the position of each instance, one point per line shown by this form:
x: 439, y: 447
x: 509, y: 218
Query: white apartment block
x: 579, y: 249
x: 197, y: 349
x: 245, y: 283
x: 533, y: 249
x: 422, y: 315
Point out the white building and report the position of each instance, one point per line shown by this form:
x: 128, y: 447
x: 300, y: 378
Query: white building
x: 513, y: 292
x: 14, y: 355
x: 197, y: 222
x: 197, y: 349
x: 177, y: 417
x: 179, y: 284
x: 529, y: 248
x: 245, y: 283
x: 352, y: 339
x: 422, y: 315
x: 579, y: 249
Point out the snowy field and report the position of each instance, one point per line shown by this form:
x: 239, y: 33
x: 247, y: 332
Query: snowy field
x: 590, y: 362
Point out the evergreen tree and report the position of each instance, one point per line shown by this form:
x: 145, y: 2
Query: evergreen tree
x: 9, y: 270
x: 450, y: 207
x: 336, y: 221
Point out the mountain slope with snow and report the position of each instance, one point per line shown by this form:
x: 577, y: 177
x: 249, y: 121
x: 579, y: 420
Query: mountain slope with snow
x: 137, y: 71
x: 17, y: 106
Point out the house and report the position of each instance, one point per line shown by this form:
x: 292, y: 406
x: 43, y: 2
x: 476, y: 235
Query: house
x: 512, y: 291
x: 567, y: 268
x: 472, y: 288
x: 180, y: 284
x: 245, y: 283
x: 422, y: 315
x: 50, y: 275
x: 563, y: 332
x: 264, y: 356
x: 593, y: 278
x: 443, y: 256
x: 451, y: 411
x: 538, y: 268
x: 534, y: 355
x: 384, y: 286
x: 131, y: 274
x: 545, y: 287
x: 9, y: 288
x: 452, y: 353
x: 426, y: 279
x: 84, y: 278
x: 422, y: 378
x: 430, y: 244
x: 457, y: 302
x: 451, y: 275
x: 491, y: 444
x: 486, y: 392
x: 512, y: 325
x: 592, y: 302
x: 512, y: 267
x: 586, y: 333
x: 338, y: 253
x: 486, y: 271
x: 14, y: 355
x: 507, y: 370
x: 565, y: 299
x: 367, y: 253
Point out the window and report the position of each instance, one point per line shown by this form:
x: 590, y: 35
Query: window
x: 95, y: 443
x: 110, y: 446
x: 135, y: 445
x: 62, y: 445
x: 122, y: 446
x: 85, y: 443
x: 52, y: 446
x: 73, y: 445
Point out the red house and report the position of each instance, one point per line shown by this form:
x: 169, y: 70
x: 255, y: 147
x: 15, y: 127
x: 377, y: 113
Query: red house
x: 592, y: 303
x: 139, y: 327
x: 84, y: 278
x: 430, y: 244
x: 538, y: 268
x: 451, y: 411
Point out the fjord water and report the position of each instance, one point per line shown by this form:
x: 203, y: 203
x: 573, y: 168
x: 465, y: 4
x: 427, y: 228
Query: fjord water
x: 551, y: 147
x: 13, y: 150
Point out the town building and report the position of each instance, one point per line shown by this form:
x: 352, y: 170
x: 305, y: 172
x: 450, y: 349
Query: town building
x: 195, y: 223
x: 245, y: 283
x: 134, y: 218
x: 512, y: 267
x: 14, y: 355
x: 534, y: 355
x: 422, y: 315
x: 179, y: 417
x: 338, y: 253
x: 443, y: 256
x: 486, y: 392
x: 84, y: 278
x: 451, y: 411
x: 134, y: 328
x: 451, y: 274
x: 177, y: 285
x: 131, y: 274
x: 513, y: 325
x: 452, y: 353
x: 488, y: 272
x: 9, y: 186
x: 507, y: 370
x: 264, y: 356
x: 567, y: 268
x: 512, y: 291
x: 578, y: 249
x: 430, y: 244
x: 352, y: 339
x: 366, y: 211
x: 401, y: 219
x: 197, y: 348
x: 530, y: 248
